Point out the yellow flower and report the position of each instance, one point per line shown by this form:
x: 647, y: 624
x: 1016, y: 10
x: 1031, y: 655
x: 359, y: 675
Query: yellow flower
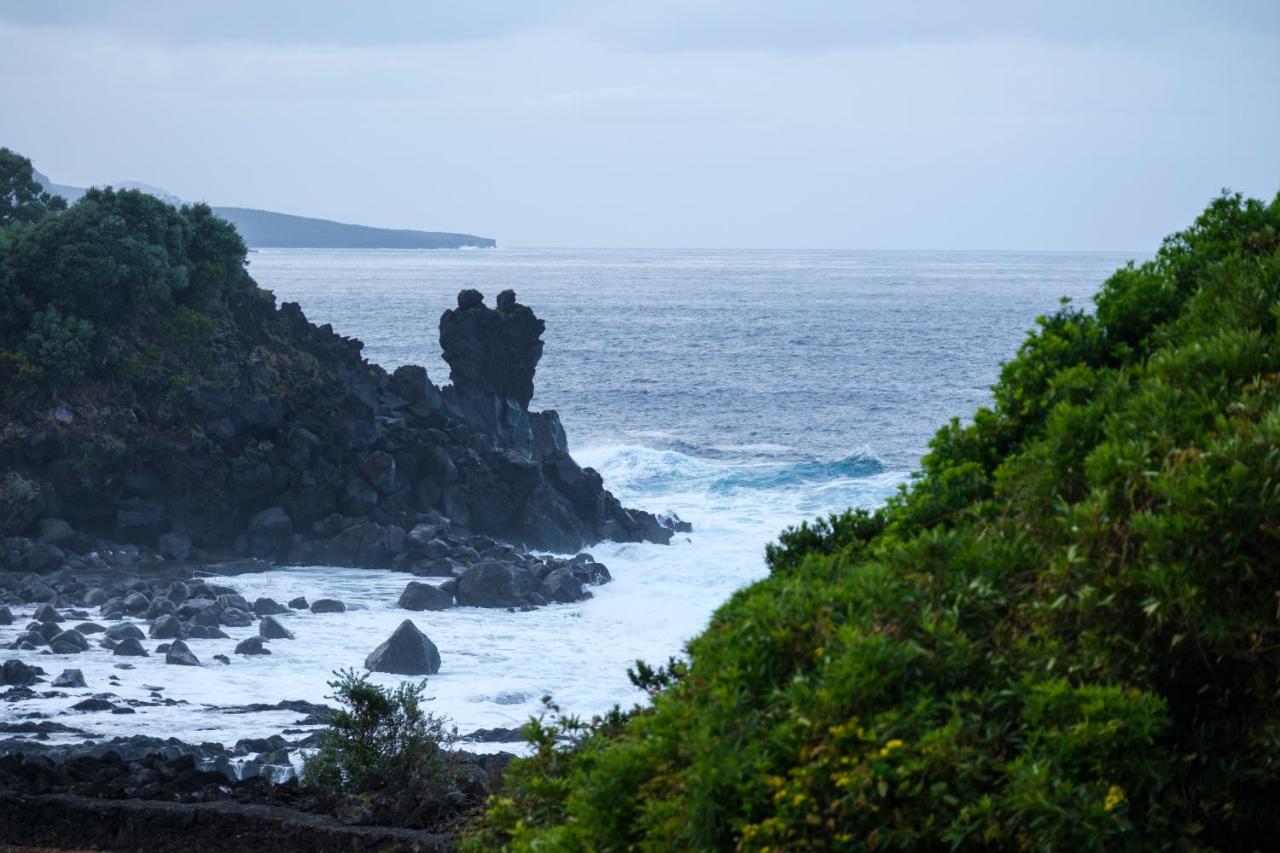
x: 1115, y: 797
x: 890, y: 746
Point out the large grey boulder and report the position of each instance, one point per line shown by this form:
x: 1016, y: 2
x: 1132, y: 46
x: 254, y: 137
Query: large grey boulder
x: 271, y: 629
x: 252, y: 646
x: 69, y: 642
x: 407, y: 652
x: 492, y: 584
x: 179, y: 655
x: 69, y: 678
x: 165, y: 628
x: 328, y: 605
x: 424, y: 596
x: 129, y: 647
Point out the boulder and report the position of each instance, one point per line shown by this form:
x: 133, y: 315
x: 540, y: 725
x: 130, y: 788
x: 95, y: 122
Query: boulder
x: 424, y: 596
x: 235, y: 618
x: 129, y: 647
x: 88, y: 628
x: 44, y: 557
x: 492, y: 584
x: 562, y: 586
x: 68, y: 642
x: 407, y: 652
x: 165, y: 628
x: 175, y: 546
x: 93, y: 704
x: 270, y: 629
x: 6, y: 616
x: 270, y: 532
x: 15, y: 673
x: 179, y: 655
x: 123, y: 631
x: 55, y: 531
x: 252, y: 646
x: 69, y: 678
x: 136, y: 604
x: 328, y: 605
x: 268, y: 607
x: 299, y: 603
x: 46, y: 613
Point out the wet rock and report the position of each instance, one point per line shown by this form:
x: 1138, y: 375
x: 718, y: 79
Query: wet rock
x: 15, y: 673
x: 234, y: 617
x: 96, y: 596
x: 299, y: 603
x: 252, y: 646
x: 268, y: 607
x: 69, y: 678
x: 136, y: 604
x: 492, y: 584
x: 68, y: 642
x: 175, y: 546
x: 88, y: 628
x: 271, y: 629
x: 6, y: 616
x: 165, y: 628
x: 44, y: 557
x: 423, y: 596
x: 179, y: 655
x: 129, y: 647
x: 93, y: 703
x: 561, y: 586
x: 328, y: 605
x: 270, y: 532
x: 122, y: 631
x: 407, y: 652
x: 46, y: 613
x: 223, y: 659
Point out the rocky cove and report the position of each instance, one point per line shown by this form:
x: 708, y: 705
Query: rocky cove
x: 133, y: 516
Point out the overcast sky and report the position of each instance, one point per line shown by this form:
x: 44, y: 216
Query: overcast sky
x: 681, y: 123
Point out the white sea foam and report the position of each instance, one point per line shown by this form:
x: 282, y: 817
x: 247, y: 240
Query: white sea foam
x: 496, y: 665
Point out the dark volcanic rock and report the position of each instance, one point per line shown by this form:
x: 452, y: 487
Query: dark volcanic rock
x: 165, y: 628
x: 68, y: 642
x: 252, y: 646
x: 123, y: 631
x: 93, y: 704
x: 423, y: 596
x: 268, y: 607
x: 407, y: 652
x: 129, y: 647
x: 299, y: 603
x: 15, y: 673
x: 493, y: 584
x: 45, y: 613
x: 328, y: 605
x: 180, y: 655
x: 270, y: 629
x: 69, y: 678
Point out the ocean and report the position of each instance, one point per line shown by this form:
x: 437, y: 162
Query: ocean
x: 746, y: 391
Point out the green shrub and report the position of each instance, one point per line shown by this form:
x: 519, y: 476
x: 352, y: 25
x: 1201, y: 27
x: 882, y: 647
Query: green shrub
x: 58, y: 346
x: 1062, y: 635
x: 379, y: 738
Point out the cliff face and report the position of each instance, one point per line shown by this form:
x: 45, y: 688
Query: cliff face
x: 271, y: 412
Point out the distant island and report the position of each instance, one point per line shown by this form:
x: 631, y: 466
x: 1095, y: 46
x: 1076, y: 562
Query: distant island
x: 263, y: 229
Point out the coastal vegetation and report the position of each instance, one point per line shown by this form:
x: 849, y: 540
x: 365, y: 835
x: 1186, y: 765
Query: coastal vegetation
x: 1064, y: 634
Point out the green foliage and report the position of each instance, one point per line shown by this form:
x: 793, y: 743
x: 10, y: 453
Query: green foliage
x: 22, y: 199
x: 1063, y: 635
x: 379, y: 738
x: 87, y: 289
x: 59, y: 343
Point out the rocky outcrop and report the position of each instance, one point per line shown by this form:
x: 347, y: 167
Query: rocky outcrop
x: 407, y: 652
x: 284, y: 444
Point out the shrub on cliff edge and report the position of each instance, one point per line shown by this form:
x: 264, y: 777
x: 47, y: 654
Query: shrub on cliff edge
x: 1063, y: 635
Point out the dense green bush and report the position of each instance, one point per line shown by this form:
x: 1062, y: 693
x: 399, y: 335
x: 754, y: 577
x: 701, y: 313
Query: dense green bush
x: 379, y: 738
x: 1064, y: 635
x: 85, y: 288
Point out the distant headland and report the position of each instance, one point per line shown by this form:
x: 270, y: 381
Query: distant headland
x: 262, y: 229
